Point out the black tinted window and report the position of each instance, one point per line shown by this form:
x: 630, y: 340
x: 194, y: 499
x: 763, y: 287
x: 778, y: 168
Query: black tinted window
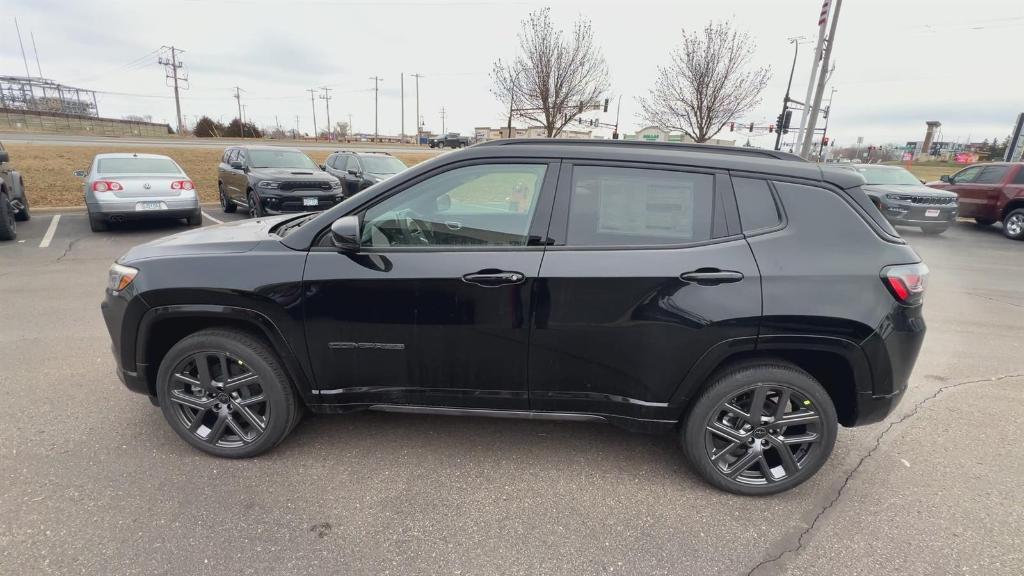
x: 967, y: 175
x: 638, y: 207
x: 992, y: 175
x: 757, y: 206
x: 1019, y: 178
x: 352, y: 164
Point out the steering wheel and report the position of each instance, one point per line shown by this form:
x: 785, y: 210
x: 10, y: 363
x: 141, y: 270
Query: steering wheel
x: 415, y: 231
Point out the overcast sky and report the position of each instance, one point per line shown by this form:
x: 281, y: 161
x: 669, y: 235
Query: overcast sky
x: 898, y: 62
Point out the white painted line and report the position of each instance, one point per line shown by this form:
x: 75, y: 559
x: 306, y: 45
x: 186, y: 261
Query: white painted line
x: 212, y: 218
x: 48, y: 237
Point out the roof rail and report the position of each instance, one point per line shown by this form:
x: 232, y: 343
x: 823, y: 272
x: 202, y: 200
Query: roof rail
x: 340, y: 151
x: 687, y: 147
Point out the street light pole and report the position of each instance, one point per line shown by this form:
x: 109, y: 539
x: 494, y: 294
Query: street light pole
x: 785, y: 100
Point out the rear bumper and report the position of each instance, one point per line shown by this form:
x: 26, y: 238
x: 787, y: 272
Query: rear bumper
x: 129, y: 208
x: 892, y: 353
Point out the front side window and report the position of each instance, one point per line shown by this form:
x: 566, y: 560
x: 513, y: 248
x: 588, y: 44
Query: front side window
x: 137, y: 166
x: 481, y: 205
x: 638, y: 207
x: 992, y: 175
x: 967, y: 175
x: 352, y: 164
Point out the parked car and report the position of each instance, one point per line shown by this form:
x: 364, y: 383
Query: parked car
x: 742, y: 298
x: 449, y: 140
x: 13, y: 200
x: 904, y: 200
x: 360, y: 170
x: 120, y: 187
x: 274, y: 180
x: 990, y: 193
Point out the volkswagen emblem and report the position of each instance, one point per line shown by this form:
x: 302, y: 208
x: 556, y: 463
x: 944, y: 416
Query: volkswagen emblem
x: 147, y: 186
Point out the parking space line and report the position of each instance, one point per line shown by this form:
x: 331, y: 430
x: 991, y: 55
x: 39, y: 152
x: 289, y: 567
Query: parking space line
x: 212, y: 218
x: 48, y: 237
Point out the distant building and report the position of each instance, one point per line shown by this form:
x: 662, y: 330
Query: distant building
x: 485, y: 133
x: 655, y: 134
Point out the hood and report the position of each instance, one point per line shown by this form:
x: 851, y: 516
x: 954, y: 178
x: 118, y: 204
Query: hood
x: 292, y: 174
x: 920, y: 190
x: 227, y: 238
x: 380, y: 176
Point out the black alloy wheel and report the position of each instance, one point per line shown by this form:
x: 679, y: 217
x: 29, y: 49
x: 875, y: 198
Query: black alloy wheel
x: 225, y: 204
x: 760, y: 429
x: 225, y: 393
x: 8, y: 229
x: 255, y: 210
x: 24, y: 214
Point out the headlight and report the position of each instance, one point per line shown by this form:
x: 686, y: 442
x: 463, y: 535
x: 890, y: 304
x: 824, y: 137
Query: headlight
x: 268, y: 184
x: 900, y: 197
x: 120, y: 277
x: 335, y: 185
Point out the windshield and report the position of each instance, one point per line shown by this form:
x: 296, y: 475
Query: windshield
x: 891, y: 176
x: 280, y: 159
x: 382, y: 164
x: 137, y: 166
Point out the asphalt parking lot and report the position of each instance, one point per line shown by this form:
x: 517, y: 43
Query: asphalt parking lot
x: 94, y: 482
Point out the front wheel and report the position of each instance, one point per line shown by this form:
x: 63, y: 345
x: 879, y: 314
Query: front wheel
x: 8, y: 229
x: 760, y: 428
x: 1013, y: 224
x: 934, y: 228
x: 225, y: 203
x: 225, y: 393
x: 255, y: 210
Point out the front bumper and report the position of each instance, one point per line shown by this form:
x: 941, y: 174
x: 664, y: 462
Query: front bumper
x: 121, y: 313
x: 917, y: 214
x: 277, y: 202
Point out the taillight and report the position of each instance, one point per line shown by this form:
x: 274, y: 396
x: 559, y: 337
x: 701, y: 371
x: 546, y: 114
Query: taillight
x: 182, y: 185
x: 106, y: 186
x: 906, y: 282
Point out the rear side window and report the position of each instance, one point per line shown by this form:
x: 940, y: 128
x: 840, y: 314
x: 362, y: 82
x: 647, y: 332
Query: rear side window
x: 758, y: 210
x: 638, y: 207
x: 992, y: 175
x: 1019, y: 178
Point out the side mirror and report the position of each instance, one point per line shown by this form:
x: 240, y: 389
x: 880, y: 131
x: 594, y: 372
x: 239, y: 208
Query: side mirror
x: 4, y: 156
x: 80, y: 173
x: 323, y: 167
x: 946, y: 178
x: 354, y: 172
x: 345, y: 234
x: 237, y: 165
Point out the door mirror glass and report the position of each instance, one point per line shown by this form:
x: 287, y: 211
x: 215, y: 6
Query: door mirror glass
x: 345, y: 234
x: 946, y: 178
x: 237, y: 165
x: 80, y: 173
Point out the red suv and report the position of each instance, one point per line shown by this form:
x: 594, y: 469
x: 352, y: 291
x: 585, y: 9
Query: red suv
x: 990, y: 192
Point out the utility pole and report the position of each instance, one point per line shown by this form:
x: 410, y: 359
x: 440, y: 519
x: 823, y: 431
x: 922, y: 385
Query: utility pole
x: 312, y: 101
x: 238, y: 97
x: 376, y: 92
x: 326, y: 97
x: 822, y: 76
x: 417, y: 77
x: 828, y: 113
x: 618, y: 109
x: 24, y: 59
x: 822, y: 25
x: 245, y: 112
x: 785, y: 100
x: 402, y: 79
x: 442, y: 121
x: 295, y: 135
x: 171, y: 67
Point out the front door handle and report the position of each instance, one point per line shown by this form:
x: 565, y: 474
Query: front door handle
x: 711, y: 276
x: 491, y: 278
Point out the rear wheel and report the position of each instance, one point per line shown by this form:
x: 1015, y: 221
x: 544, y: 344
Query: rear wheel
x: 225, y: 203
x: 97, y: 223
x: 934, y: 228
x: 760, y: 428
x: 24, y: 214
x: 1013, y: 224
x: 984, y: 221
x: 225, y: 393
x: 8, y: 229
x: 195, y: 219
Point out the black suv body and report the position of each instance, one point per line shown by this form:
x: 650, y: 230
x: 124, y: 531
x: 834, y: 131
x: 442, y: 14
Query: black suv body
x: 13, y: 201
x: 274, y: 180
x: 745, y: 300
x: 360, y: 170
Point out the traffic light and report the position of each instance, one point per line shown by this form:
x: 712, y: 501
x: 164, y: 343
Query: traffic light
x: 751, y: 127
x: 824, y: 141
x: 784, y: 121
x: 732, y: 126
x: 605, y: 104
x: 771, y: 128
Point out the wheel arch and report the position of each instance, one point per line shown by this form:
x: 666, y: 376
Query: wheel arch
x: 162, y: 327
x: 839, y: 365
x: 1010, y: 207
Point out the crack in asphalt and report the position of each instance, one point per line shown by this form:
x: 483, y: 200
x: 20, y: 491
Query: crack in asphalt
x: 878, y: 443
x: 991, y: 299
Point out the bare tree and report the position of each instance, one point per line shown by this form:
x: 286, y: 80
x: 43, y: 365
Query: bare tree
x: 708, y: 83
x: 341, y: 129
x: 553, y: 79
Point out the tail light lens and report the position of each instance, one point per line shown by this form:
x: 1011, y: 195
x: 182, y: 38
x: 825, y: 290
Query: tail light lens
x: 906, y: 282
x: 106, y: 186
x: 182, y: 185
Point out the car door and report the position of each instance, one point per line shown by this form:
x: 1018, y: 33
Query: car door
x: 988, y: 186
x: 435, y: 308
x: 971, y: 196
x: 645, y: 276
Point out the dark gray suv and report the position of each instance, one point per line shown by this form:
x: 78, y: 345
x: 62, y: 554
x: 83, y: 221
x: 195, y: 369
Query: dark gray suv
x: 274, y: 180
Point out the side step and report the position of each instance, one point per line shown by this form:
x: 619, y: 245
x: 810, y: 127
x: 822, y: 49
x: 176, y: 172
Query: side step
x: 522, y: 414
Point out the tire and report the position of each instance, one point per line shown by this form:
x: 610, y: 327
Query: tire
x: 98, y: 223
x: 8, y: 229
x: 240, y: 423
x: 1013, y: 224
x: 226, y: 205
x: 984, y: 221
x: 934, y: 228
x: 720, y: 461
x: 195, y: 219
x: 23, y: 215
x: 255, y: 209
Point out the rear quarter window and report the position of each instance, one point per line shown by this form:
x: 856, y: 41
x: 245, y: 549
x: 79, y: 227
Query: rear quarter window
x: 1019, y: 178
x: 758, y: 210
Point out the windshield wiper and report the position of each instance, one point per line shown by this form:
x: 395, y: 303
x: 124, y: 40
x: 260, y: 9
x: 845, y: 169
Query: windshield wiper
x: 286, y: 228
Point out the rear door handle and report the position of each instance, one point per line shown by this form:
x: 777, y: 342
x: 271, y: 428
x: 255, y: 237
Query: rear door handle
x: 711, y: 276
x: 491, y: 278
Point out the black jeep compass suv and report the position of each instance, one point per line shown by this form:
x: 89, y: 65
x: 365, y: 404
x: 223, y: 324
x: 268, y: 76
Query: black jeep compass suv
x: 745, y: 300
x: 274, y: 180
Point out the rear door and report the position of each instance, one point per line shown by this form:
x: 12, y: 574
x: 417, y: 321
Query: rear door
x: 648, y: 271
